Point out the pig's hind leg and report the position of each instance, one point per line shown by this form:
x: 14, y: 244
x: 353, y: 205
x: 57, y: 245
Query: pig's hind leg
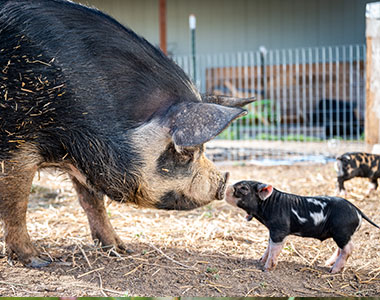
x: 15, y: 184
x: 101, y: 229
x: 344, y: 254
x: 373, y: 185
x: 333, y: 258
x: 343, y: 226
x: 340, y: 190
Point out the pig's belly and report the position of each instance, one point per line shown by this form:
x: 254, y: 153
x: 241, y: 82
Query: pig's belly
x: 316, y: 233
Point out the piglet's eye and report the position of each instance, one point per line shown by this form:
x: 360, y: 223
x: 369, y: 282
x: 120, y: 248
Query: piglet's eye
x: 242, y: 190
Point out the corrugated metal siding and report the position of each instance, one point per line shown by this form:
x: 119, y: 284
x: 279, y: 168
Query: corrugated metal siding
x: 229, y: 26
x: 242, y: 25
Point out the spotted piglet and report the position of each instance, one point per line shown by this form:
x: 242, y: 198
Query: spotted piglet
x: 319, y: 217
x: 357, y: 164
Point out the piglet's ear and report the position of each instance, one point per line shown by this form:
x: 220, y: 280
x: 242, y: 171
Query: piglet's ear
x: 264, y: 191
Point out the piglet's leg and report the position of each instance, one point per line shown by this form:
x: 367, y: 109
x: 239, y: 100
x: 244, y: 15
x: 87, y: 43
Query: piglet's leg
x: 333, y: 258
x: 342, y: 258
x: 274, y: 252
x: 373, y: 185
x: 264, y: 258
x: 100, y: 225
x: 340, y: 190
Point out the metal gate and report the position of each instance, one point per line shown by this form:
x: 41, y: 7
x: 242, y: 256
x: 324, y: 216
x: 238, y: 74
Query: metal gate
x: 309, y: 100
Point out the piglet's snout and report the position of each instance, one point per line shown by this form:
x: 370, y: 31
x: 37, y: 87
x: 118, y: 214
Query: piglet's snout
x: 230, y: 199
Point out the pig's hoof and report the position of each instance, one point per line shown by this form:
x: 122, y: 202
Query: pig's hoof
x: 120, y: 249
x: 37, y: 262
x: 124, y: 250
x: 129, y: 251
x: 32, y: 262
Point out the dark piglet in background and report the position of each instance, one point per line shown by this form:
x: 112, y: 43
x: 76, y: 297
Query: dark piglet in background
x: 82, y: 93
x: 319, y: 217
x: 357, y: 164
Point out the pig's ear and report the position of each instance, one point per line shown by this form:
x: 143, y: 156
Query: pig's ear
x: 194, y: 123
x: 227, y: 100
x: 264, y: 191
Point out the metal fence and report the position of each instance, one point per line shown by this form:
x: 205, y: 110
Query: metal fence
x: 305, y: 95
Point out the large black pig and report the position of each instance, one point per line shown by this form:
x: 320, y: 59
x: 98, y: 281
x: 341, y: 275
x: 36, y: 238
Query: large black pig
x: 84, y: 94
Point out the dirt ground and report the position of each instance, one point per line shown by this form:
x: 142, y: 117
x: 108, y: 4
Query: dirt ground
x: 210, y: 251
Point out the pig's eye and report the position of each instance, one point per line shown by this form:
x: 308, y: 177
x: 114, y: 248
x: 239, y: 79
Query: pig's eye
x: 175, y: 163
x: 187, y: 155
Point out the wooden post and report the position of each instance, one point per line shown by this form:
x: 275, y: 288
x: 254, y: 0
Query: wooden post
x: 372, y: 114
x: 162, y: 8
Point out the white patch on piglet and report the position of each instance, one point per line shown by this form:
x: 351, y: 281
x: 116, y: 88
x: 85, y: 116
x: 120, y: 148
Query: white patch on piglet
x: 317, y: 202
x: 360, y: 220
x: 338, y: 168
x: 300, y: 219
x: 317, y: 217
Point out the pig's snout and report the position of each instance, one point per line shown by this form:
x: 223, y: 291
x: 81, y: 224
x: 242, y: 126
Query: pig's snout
x: 222, y: 186
x: 230, y: 199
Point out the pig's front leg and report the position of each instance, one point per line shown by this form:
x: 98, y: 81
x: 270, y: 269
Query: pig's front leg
x: 100, y: 225
x: 14, y: 193
x: 264, y: 258
x: 273, y: 253
x: 340, y: 190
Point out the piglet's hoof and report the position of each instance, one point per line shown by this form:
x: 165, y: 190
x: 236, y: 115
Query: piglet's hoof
x: 37, y: 262
x: 266, y: 270
x: 335, y: 270
x: 270, y: 265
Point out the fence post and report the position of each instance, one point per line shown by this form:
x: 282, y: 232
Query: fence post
x: 372, y: 113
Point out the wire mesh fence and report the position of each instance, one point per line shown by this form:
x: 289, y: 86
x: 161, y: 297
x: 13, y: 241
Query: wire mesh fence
x: 305, y: 97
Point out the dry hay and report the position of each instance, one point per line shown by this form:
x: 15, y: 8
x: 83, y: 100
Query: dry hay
x: 210, y: 251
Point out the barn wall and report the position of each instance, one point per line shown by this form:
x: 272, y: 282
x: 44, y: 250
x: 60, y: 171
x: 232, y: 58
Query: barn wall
x: 242, y: 25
